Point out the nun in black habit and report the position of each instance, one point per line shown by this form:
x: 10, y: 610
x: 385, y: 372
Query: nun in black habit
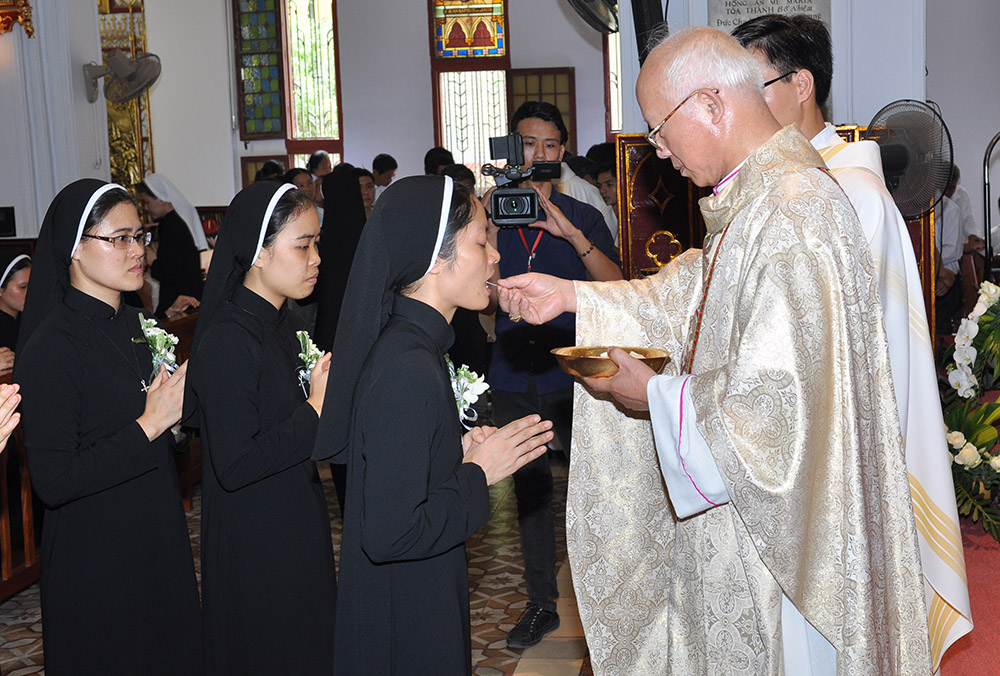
x: 269, y: 592
x: 15, y: 272
x: 417, y: 487
x: 118, y: 588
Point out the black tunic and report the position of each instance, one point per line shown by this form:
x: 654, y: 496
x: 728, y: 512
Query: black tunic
x: 269, y: 591
x: 9, y: 327
x: 412, y: 503
x: 118, y: 588
x: 178, y: 265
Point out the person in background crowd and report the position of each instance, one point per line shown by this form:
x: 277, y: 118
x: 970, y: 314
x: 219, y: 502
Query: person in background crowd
x: 118, y: 589
x: 582, y: 167
x: 607, y: 183
x: 271, y: 170
x: 461, y: 174
x: 174, y: 261
x: 320, y: 164
x: 602, y: 153
x: 571, y: 241
x: 15, y: 271
x: 367, y: 183
x: 384, y: 169
x: 418, y: 484
x: 269, y: 589
x: 436, y: 159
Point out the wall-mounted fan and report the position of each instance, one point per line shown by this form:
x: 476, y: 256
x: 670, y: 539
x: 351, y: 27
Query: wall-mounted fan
x: 601, y: 15
x: 916, y: 154
x: 126, y: 77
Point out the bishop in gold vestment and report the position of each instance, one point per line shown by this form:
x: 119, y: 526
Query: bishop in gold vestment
x: 776, y: 413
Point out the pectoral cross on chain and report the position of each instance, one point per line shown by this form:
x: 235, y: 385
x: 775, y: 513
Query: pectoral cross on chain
x: 145, y: 387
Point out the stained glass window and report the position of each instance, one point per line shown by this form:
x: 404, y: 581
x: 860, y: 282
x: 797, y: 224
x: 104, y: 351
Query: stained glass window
x: 260, y: 70
x: 469, y: 29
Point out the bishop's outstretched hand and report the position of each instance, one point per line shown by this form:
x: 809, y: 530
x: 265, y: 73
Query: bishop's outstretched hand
x: 536, y: 298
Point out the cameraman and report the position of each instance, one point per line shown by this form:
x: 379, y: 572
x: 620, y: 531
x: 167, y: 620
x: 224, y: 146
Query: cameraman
x: 572, y: 241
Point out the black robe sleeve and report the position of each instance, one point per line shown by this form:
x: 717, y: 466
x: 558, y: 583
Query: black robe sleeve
x: 405, y: 515
x: 242, y: 455
x: 64, y: 467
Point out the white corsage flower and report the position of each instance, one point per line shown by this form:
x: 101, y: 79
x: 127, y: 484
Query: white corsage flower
x: 967, y: 331
x: 956, y: 439
x: 969, y: 456
x: 309, y: 355
x: 467, y: 386
x: 995, y: 463
x: 979, y: 310
x: 160, y: 343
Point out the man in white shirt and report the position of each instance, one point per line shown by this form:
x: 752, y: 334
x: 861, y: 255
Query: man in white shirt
x: 580, y: 189
x: 796, y: 55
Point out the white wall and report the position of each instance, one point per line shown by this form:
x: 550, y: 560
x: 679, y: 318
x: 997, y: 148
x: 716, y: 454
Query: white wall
x: 190, y: 107
x: 962, y: 56
x: 55, y: 135
x: 385, y: 75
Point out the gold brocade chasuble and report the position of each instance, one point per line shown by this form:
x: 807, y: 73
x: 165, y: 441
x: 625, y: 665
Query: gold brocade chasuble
x: 793, y: 395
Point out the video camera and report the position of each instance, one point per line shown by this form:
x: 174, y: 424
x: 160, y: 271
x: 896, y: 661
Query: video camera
x: 513, y: 207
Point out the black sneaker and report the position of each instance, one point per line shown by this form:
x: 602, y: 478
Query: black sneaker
x: 535, y: 622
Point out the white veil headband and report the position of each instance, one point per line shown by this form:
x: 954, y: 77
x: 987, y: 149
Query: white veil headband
x: 10, y: 266
x: 285, y: 187
x: 449, y: 187
x: 165, y: 190
x: 87, y: 209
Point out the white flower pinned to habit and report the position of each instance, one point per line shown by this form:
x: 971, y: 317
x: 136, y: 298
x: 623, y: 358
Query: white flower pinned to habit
x: 309, y: 355
x: 160, y: 343
x: 467, y: 386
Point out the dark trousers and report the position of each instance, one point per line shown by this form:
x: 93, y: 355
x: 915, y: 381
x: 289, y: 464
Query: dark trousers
x: 533, y: 487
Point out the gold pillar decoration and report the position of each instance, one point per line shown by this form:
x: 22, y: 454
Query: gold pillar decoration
x: 16, y: 11
x: 123, y: 26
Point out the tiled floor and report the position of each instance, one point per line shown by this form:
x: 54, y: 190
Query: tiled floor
x: 496, y: 587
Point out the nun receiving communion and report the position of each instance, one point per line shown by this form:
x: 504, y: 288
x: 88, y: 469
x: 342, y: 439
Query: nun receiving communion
x: 269, y: 592
x: 416, y: 485
x: 118, y: 588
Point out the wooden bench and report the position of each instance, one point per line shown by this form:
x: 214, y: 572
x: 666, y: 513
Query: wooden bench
x: 19, y: 565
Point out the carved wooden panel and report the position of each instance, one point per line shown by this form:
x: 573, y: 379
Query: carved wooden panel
x: 659, y: 215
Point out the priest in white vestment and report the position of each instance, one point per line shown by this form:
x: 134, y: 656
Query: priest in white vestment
x: 796, y: 56
x: 757, y: 519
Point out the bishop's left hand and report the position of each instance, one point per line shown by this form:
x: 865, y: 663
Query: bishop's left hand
x: 628, y: 386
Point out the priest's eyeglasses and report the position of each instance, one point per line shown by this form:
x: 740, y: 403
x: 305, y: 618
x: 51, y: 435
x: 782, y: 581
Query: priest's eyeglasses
x: 124, y: 242
x: 654, y: 133
x: 780, y: 77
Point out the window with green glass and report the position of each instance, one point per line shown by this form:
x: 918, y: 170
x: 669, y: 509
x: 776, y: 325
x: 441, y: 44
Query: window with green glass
x: 260, y: 68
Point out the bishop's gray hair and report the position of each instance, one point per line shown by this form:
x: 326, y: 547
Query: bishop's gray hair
x: 705, y: 57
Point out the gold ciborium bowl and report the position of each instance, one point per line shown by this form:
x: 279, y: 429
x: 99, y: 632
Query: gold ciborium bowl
x: 592, y: 361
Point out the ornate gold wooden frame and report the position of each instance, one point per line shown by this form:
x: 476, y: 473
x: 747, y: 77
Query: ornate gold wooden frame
x: 16, y: 11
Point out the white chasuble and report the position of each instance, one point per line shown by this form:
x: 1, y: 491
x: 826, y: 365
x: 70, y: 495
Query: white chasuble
x: 792, y: 395
x: 858, y: 169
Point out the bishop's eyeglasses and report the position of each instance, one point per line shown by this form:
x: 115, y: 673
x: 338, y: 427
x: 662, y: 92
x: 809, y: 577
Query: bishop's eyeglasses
x: 654, y: 133
x: 124, y: 242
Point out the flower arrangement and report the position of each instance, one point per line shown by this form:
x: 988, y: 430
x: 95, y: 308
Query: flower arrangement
x: 467, y: 385
x: 969, y: 423
x: 160, y: 343
x: 309, y: 355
